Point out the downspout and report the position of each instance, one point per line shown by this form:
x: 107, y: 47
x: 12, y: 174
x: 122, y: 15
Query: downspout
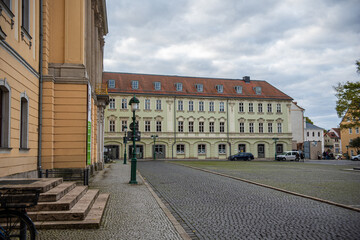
x: 39, y: 168
x: 227, y: 125
x: 172, y: 147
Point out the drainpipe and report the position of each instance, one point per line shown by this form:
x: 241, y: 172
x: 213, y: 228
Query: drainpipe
x: 227, y: 125
x: 172, y: 147
x: 39, y: 168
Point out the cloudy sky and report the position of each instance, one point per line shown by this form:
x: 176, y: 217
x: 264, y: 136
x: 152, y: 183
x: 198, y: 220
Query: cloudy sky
x: 302, y: 47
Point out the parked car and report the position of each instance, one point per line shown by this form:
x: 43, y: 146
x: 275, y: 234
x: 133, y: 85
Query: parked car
x: 242, y: 156
x: 289, y: 155
x: 355, y: 158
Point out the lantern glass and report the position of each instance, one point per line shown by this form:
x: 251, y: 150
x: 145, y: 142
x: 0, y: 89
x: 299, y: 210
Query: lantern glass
x: 134, y: 106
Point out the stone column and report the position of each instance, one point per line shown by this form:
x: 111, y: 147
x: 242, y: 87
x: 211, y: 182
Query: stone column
x: 101, y: 104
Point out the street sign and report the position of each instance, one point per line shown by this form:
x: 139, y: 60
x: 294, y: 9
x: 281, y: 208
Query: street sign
x: 137, y: 136
x: 136, y: 126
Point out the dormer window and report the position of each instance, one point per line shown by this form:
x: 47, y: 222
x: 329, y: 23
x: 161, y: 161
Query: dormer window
x: 178, y: 87
x: 135, y: 84
x: 238, y: 89
x: 220, y: 88
x: 111, y: 83
x: 257, y: 90
x: 199, y: 87
x: 157, y: 85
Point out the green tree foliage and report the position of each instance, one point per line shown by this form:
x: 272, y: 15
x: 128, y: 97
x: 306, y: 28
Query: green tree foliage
x: 355, y: 143
x: 308, y: 120
x: 348, y: 103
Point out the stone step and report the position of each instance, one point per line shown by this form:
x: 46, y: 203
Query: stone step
x: 57, y: 192
x: 41, y: 184
x: 92, y: 220
x: 78, y: 212
x: 65, y: 203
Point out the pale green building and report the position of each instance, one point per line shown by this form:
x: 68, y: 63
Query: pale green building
x: 197, y: 118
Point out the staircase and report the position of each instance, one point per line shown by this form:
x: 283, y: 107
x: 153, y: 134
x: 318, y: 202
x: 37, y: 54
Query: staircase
x: 65, y: 205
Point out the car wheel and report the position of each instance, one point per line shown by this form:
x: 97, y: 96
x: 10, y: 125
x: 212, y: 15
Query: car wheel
x: 284, y: 159
x: 356, y: 159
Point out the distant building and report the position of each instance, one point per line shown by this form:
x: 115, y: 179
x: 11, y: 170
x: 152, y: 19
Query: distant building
x: 197, y: 118
x: 297, y: 126
x: 332, y: 141
x: 348, y: 134
x: 314, y: 134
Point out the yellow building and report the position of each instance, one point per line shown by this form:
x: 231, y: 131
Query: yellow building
x: 50, y: 80
x: 348, y: 134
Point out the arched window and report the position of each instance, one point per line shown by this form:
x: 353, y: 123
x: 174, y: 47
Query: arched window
x: 5, y: 96
x: 24, y: 121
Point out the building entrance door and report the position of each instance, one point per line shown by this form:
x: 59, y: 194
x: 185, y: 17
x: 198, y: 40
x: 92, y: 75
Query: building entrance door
x: 139, y: 150
x: 242, y: 148
x: 261, y: 151
x: 112, y: 151
x: 159, y: 151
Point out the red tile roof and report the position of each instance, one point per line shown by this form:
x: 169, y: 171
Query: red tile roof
x: 146, y: 86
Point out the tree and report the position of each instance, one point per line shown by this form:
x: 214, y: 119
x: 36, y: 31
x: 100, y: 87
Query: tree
x: 308, y: 120
x: 355, y: 143
x: 348, y: 103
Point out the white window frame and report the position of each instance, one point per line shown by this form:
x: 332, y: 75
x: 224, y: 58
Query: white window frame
x: 201, y: 106
x: 279, y: 127
x: 222, y: 148
x: 180, y: 126
x: 157, y: 86
x: 158, y: 104
x: 269, y: 107
x: 222, y: 127
x: 201, y: 148
x: 123, y: 124
x: 158, y: 126
x: 241, y: 107
x: 147, y: 126
x: 135, y: 84
x: 111, y: 83
x: 191, y: 126
x: 24, y: 121
x: 111, y: 125
x: 222, y: 107
x: 270, y: 127
x: 199, y: 87
x: 260, y: 107
x: 147, y: 104
x: 278, y: 108
x: 6, y: 113
x: 211, y: 127
x: 191, y: 106
x: 251, y: 127
x: 180, y: 149
x: 242, y: 127
x: 251, y: 107
x: 220, y: 88
x: 211, y: 107
x: 238, y: 89
x: 179, y: 87
x: 201, y: 127
x: 180, y: 105
x: 261, y: 127
x: 124, y: 103
x: 112, y: 103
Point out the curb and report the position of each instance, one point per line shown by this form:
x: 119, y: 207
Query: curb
x: 167, y: 212
x: 274, y: 188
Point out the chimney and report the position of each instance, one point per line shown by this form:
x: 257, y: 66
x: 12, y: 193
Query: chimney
x: 246, y: 79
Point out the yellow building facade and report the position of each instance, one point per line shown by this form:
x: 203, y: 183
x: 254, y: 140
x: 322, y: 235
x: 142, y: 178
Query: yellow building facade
x: 51, y: 66
x: 348, y: 134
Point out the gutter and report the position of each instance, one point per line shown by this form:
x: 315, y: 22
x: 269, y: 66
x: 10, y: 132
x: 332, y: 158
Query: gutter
x: 41, y: 36
x: 172, y: 147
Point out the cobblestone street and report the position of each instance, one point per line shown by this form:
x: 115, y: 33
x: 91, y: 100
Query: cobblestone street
x: 215, y: 207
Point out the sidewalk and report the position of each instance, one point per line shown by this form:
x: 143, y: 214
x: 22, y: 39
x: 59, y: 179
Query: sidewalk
x: 132, y: 211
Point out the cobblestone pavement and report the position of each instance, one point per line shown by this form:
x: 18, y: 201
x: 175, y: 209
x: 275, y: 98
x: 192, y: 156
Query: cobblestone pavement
x: 131, y: 213
x: 216, y: 207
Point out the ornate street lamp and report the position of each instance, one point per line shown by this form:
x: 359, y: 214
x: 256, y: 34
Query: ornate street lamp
x: 134, y: 102
x: 125, y: 141
x: 154, y: 137
x: 275, y: 139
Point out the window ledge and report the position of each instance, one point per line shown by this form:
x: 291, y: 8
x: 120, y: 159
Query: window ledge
x: 182, y: 153
x: 147, y: 110
x: 8, y: 12
x: 124, y: 110
x: 158, y: 110
x: 5, y: 149
x: 25, y: 34
x: 24, y: 149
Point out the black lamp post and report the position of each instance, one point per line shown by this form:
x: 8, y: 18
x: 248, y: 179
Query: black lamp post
x: 134, y: 102
x: 275, y: 139
x: 125, y: 141
x: 154, y: 137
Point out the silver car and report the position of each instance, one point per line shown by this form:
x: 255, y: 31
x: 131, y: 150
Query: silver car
x: 355, y: 158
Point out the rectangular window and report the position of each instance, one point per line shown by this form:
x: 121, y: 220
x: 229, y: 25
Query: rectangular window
x: 191, y: 126
x: 269, y: 108
x: 238, y: 89
x: 279, y: 127
x: 147, y: 104
x: 357, y: 130
x: 158, y: 104
x: 201, y: 126
x: 135, y: 84
x: 211, y: 127
x: 260, y: 108
x: 270, y: 128
x: 158, y: 126
x: 123, y: 125
x: 242, y: 127
x: 318, y: 134
x: 251, y: 107
x: 25, y: 16
x: 308, y: 134
x: 257, y: 90
x: 180, y: 126
x: 201, y: 106
x: 112, y: 103
x: 24, y: 122
x: 261, y: 127
x: 157, y: 85
x: 241, y: 107
x: 180, y: 149
x: 178, y: 87
x: 180, y: 105
x: 199, y: 87
x: 124, y: 103
x: 222, y: 107
x: 111, y: 83
x: 147, y: 126
x: 211, y: 107
x: 220, y: 88
x: 222, y: 149
x: 112, y: 126
x: 350, y: 130
x: 201, y: 149
x: 278, y: 108
x: 313, y: 134
x: 251, y: 127
x: 191, y: 106
x: 222, y: 127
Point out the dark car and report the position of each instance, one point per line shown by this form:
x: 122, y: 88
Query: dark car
x: 242, y: 156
